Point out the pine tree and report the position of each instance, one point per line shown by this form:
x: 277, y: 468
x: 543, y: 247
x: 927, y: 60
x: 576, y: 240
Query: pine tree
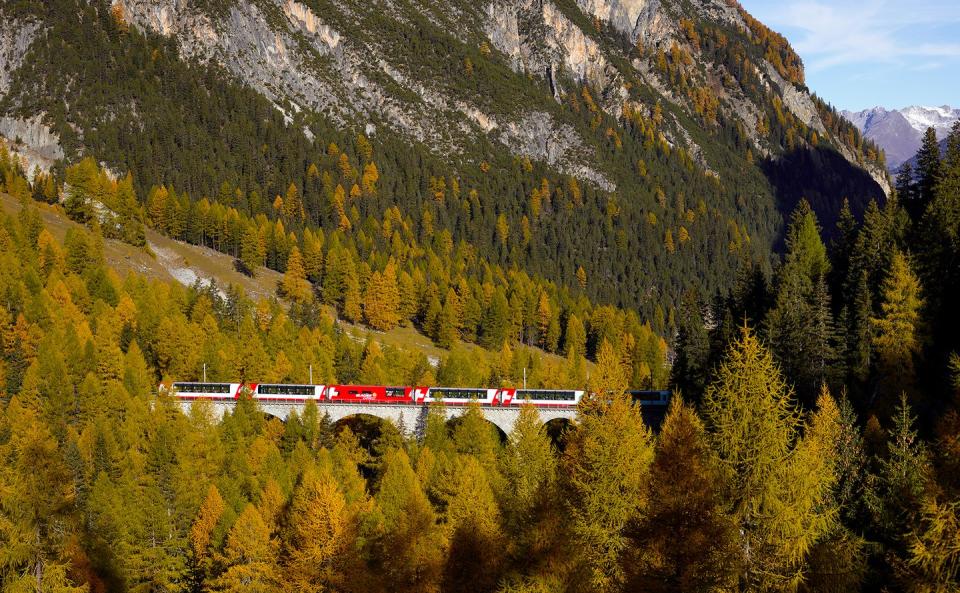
x: 371, y: 369
x: 320, y: 535
x: 202, y: 530
x: 934, y: 558
x: 606, y: 468
x: 544, y: 315
x: 528, y: 467
x: 896, y: 340
x: 351, y: 298
x: 473, y: 312
x: 904, y: 478
x: 906, y: 187
x: 835, y: 553
x: 609, y: 377
x: 858, y: 330
x: 339, y: 266
x: 800, y: 326
x: 581, y: 277
x: 381, y: 302
x: 436, y: 435
x: 575, y: 338
x: 928, y: 171
x: 474, y: 435
x: 448, y: 323
x: 937, y: 253
x: 250, y: 557
x: 408, y: 547
x: 295, y: 285
x: 369, y: 179
x: 473, y: 518
x: 779, y: 485
x: 252, y: 252
x: 689, y: 370
x: 36, y: 494
x: 686, y: 541
x: 82, y: 181
x: 293, y: 204
x: 496, y: 319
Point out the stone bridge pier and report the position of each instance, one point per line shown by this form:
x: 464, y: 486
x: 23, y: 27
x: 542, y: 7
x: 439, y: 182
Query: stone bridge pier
x: 410, y: 418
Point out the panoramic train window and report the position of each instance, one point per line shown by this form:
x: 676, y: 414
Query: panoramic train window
x: 556, y: 395
x: 459, y: 393
x: 650, y: 397
x: 286, y: 389
x: 395, y: 391
x: 202, y: 387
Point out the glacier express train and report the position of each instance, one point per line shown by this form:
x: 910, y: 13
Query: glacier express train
x: 376, y: 394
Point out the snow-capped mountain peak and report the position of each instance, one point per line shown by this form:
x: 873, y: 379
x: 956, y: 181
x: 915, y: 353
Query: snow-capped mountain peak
x: 939, y: 118
x: 899, y: 131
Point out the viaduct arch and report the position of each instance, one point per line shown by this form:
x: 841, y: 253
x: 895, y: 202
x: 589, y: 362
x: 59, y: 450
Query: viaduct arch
x: 410, y: 418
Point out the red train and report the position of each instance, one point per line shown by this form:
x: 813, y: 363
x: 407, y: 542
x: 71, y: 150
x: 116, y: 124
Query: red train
x: 377, y: 394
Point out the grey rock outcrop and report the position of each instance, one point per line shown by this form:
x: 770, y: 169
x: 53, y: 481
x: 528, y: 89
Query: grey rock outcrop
x: 15, y: 40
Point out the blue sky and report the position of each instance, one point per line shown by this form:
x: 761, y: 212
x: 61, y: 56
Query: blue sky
x: 860, y: 54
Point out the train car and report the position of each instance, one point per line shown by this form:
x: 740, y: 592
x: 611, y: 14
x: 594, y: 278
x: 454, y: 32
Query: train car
x: 650, y: 398
x: 374, y: 394
x: 286, y: 392
x: 418, y: 394
x: 193, y: 390
x: 463, y: 395
x: 540, y: 397
x: 653, y: 406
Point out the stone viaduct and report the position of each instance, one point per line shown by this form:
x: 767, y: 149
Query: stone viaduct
x: 411, y: 418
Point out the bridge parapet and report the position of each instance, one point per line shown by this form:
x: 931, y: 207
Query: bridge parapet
x: 411, y: 419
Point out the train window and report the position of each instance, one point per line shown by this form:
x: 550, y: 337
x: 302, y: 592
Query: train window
x: 459, y: 393
x: 545, y: 394
x: 651, y: 397
x: 286, y: 389
x: 202, y: 387
x: 395, y: 391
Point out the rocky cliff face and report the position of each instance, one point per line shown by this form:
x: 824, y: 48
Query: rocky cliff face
x: 653, y: 143
x: 15, y: 37
x: 701, y: 68
x: 337, y: 63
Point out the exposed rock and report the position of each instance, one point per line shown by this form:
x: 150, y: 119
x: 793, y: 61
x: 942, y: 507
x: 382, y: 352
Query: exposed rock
x: 537, y: 136
x: 637, y: 19
x: 797, y: 101
x: 34, y: 134
x: 312, y: 62
x: 32, y: 142
x: 581, y: 54
x: 15, y: 39
x: 722, y: 11
x: 502, y: 28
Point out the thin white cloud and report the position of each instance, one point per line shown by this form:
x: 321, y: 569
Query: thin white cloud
x: 926, y: 66
x: 830, y: 34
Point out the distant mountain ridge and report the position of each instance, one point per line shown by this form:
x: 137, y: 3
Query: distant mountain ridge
x: 899, y: 131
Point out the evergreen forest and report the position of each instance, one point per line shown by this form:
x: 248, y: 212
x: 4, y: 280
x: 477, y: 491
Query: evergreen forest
x: 721, y: 234
x: 810, y: 445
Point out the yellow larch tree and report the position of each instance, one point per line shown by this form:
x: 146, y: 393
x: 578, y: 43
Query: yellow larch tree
x: 381, y: 299
x: 295, y: 285
x: 319, y: 536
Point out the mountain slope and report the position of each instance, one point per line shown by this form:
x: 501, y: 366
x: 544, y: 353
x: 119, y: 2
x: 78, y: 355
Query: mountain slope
x: 644, y: 142
x: 899, y: 132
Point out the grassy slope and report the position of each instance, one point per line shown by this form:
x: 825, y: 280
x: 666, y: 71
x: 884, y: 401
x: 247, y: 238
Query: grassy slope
x: 172, y: 260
